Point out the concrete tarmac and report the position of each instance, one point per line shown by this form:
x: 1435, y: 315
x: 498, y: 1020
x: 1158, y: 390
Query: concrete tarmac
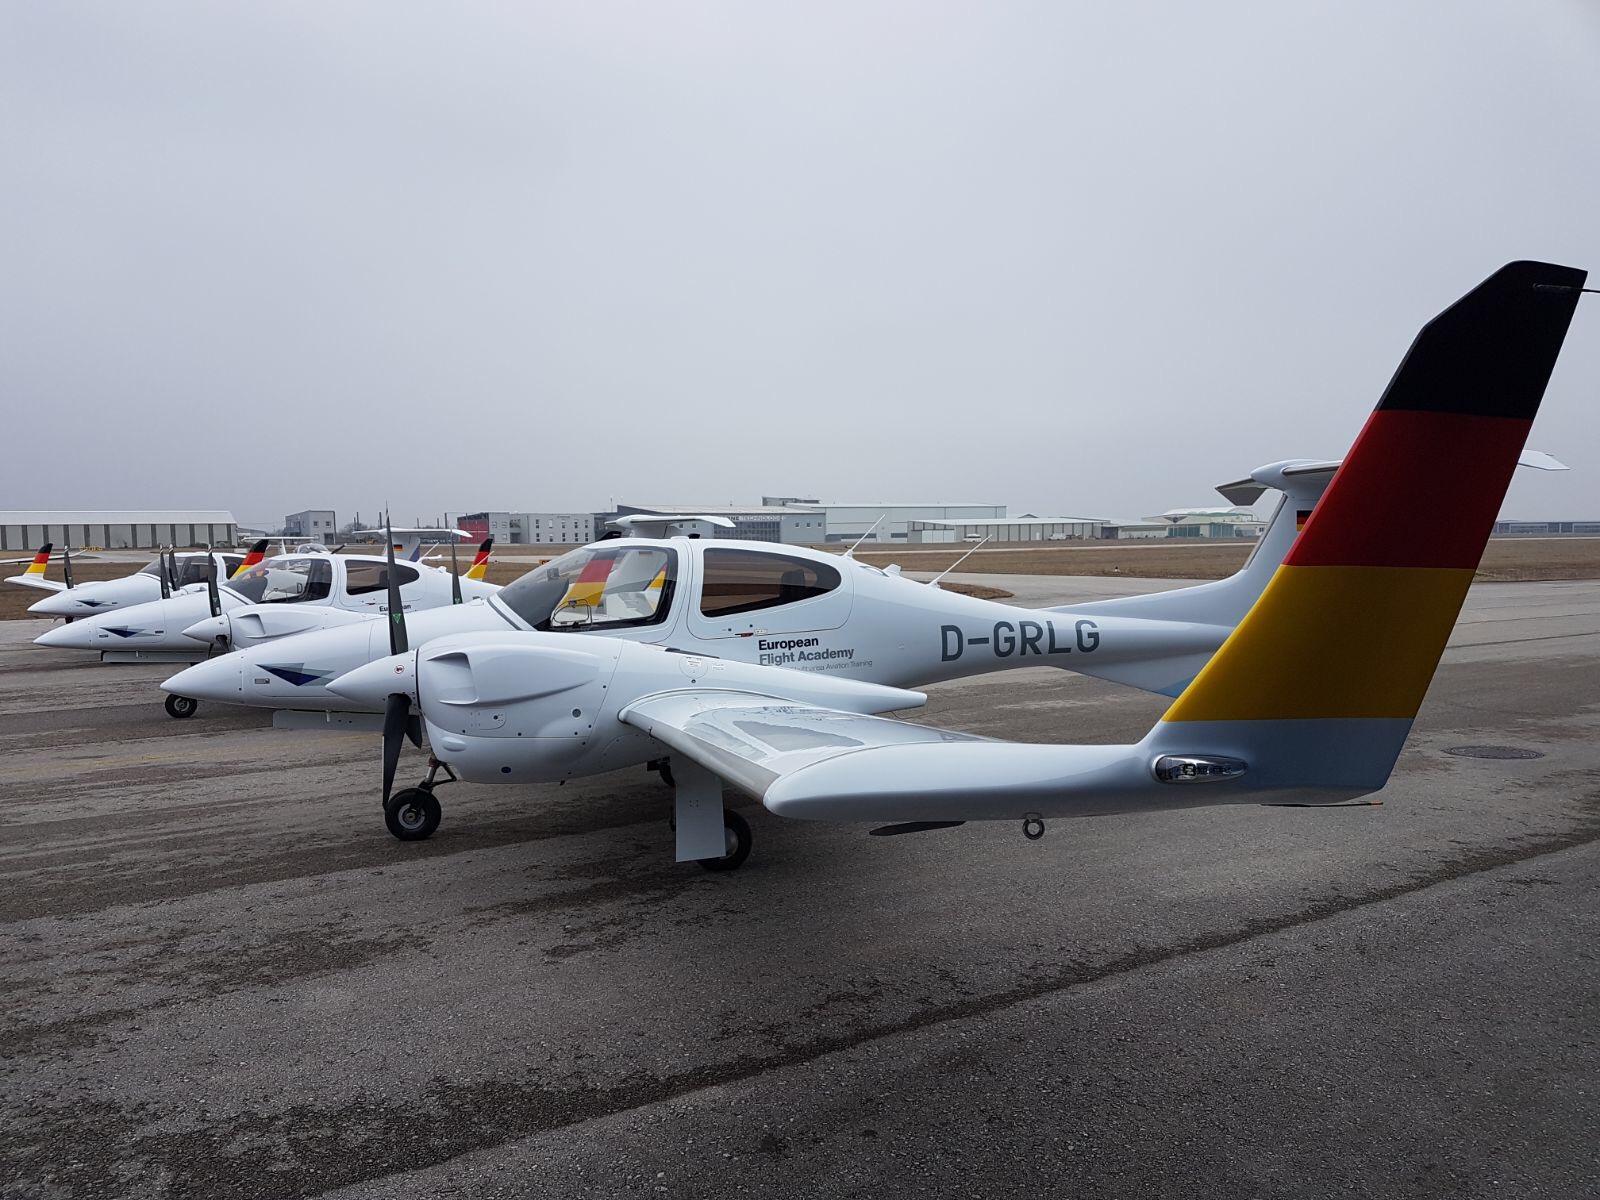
x: 223, y: 978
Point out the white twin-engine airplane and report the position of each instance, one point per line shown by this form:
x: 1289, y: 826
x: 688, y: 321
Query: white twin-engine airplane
x: 277, y: 597
x: 787, y: 607
x: 1309, y: 700
x: 167, y: 574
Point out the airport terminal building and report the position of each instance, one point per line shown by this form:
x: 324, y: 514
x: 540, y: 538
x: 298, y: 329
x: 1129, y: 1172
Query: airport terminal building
x: 116, y: 529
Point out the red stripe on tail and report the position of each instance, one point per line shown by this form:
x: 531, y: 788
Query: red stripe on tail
x: 1433, y: 480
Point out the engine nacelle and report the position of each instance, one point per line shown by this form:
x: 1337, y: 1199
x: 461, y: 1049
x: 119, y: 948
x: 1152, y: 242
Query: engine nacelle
x: 518, y: 708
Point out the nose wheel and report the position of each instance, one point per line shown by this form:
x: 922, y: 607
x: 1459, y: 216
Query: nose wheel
x: 181, y: 707
x: 412, y: 814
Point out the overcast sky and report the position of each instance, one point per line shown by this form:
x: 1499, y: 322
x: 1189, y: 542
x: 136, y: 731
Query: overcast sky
x: 1081, y: 259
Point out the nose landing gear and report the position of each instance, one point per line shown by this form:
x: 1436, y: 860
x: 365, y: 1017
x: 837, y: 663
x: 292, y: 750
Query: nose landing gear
x: 413, y: 813
x: 181, y: 707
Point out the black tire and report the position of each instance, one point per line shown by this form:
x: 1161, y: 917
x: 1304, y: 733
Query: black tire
x: 412, y: 814
x: 181, y: 707
x: 737, y: 833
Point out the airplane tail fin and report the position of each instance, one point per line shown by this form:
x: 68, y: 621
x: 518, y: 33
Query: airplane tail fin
x: 258, y: 551
x: 1317, y: 687
x: 480, y: 561
x: 1225, y: 601
x: 40, y: 563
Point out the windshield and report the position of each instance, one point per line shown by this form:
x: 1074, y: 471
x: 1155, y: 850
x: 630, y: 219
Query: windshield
x: 607, y: 586
x: 191, y: 569
x: 285, y: 581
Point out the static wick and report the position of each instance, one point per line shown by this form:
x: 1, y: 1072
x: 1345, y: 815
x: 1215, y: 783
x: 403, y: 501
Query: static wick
x: 1564, y: 287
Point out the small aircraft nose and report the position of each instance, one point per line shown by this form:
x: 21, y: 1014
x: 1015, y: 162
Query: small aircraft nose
x: 77, y: 636
x: 58, y: 605
x: 215, y: 679
x: 371, y: 684
x: 208, y: 630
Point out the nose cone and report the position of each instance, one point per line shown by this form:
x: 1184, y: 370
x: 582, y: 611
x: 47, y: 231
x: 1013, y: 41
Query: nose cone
x: 215, y: 679
x: 208, y: 630
x: 372, y: 684
x: 57, y: 604
x: 77, y: 636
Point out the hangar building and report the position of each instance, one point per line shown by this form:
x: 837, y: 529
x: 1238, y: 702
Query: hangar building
x: 116, y: 529
x: 1009, y: 529
x: 848, y: 522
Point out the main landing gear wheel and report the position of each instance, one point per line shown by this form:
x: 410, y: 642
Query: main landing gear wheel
x: 412, y: 814
x: 736, y: 837
x: 181, y: 707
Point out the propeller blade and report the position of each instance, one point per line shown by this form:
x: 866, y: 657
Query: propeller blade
x: 213, y: 595
x: 397, y: 722
x: 397, y: 612
x: 455, y: 573
x: 66, y: 565
x: 166, y: 580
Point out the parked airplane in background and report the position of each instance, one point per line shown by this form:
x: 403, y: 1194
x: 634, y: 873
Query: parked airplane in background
x: 256, y: 624
x: 1309, y: 701
x: 408, y: 543
x: 324, y: 589
x: 147, y: 583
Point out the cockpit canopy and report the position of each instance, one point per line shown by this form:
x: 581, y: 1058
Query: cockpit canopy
x: 611, y: 585
x: 193, y: 569
x: 285, y: 581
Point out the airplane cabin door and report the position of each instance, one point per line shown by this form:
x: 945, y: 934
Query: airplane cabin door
x: 745, y: 592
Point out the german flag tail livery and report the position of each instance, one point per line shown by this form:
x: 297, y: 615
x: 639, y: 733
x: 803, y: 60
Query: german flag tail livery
x: 40, y: 563
x: 258, y: 551
x: 1317, y: 687
x: 480, y: 561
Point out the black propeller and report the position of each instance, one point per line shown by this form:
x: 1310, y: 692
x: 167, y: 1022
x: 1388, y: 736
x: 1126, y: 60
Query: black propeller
x: 66, y: 565
x: 219, y: 643
x: 213, y: 595
x: 399, y: 721
x: 455, y: 573
x: 166, y: 580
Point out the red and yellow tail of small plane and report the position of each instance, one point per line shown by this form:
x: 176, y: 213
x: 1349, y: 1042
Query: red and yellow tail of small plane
x: 1330, y: 667
x: 41, y: 561
x: 480, y: 561
x: 257, y: 552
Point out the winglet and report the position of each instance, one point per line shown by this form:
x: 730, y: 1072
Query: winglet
x: 480, y: 561
x: 41, y: 561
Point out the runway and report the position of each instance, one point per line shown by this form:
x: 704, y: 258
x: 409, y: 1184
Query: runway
x: 223, y: 977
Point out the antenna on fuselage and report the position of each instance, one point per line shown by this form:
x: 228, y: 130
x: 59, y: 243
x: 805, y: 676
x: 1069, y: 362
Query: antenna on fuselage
x: 935, y: 580
x: 865, y: 535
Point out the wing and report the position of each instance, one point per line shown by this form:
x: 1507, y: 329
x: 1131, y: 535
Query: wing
x: 753, y: 741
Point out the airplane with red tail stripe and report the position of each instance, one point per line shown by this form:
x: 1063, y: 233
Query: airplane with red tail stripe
x: 1308, y: 701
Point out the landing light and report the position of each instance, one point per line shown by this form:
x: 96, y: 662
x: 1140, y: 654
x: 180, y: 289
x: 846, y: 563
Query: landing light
x: 1191, y: 768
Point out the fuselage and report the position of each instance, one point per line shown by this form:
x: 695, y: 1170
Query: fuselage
x: 286, y: 595
x: 144, y: 585
x: 752, y: 602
